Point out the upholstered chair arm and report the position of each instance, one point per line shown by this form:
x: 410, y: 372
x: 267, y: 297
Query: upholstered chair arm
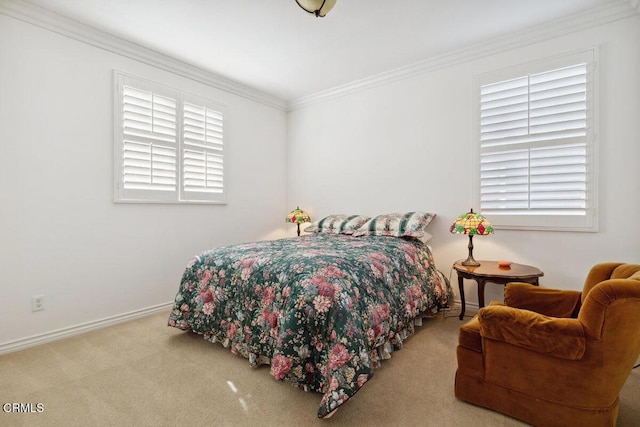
x: 550, y: 302
x: 597, y: 274
x: 593, y: 312
x: 562, y: 338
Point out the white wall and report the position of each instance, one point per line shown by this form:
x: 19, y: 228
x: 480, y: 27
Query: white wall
x: 407, y: 145
x: 61, y: 235
x: 399, y: 146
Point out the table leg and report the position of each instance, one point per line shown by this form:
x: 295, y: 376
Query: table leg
x: 480, y: 292
x: 461, y: 286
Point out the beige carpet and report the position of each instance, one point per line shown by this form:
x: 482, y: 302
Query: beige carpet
x: 143, y: 373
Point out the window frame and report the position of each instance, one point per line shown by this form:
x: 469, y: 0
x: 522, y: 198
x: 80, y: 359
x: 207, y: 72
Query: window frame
x: 546, y: 222
x: 178, y: 195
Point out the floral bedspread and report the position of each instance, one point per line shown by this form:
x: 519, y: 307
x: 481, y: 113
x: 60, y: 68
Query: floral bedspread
x: 322, y: 309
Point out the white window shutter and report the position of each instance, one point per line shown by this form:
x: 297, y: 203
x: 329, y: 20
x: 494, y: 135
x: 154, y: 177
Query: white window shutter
x: 535, y: 142
x: 150, y: 145
x: 168, y: 145
x: 203, y: 152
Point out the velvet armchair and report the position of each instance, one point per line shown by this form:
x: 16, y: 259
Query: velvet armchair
x: 554, y: 357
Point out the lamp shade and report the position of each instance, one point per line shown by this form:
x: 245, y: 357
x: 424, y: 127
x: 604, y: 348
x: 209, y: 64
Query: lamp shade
x: 471, y: 223
x: 317, y: 7
x: 298, y: 216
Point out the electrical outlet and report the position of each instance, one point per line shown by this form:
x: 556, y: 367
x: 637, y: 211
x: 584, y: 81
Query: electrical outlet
x: 37, y: 302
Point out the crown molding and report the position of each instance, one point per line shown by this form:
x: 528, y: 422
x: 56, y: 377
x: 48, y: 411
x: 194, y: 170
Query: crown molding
x: 612, y: 11
x: 48, y: 20
x: 35, y: 15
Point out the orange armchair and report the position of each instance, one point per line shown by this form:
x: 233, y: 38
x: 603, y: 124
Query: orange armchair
x: 554, y: 357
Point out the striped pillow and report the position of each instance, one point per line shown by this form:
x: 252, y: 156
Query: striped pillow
x: 410, y: 224
x: 337, y: 224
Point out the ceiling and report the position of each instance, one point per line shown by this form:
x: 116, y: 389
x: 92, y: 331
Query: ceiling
x: 276, y: 47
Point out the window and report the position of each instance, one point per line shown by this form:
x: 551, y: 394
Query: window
x: 536, y: 145
x: 169, y: 145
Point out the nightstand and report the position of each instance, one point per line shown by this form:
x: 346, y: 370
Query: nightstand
x: 489, y: 271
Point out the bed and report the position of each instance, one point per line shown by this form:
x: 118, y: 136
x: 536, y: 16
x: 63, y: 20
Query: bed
x: 321, y: 309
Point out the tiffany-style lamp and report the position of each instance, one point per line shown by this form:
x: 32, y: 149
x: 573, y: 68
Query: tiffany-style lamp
x: 298, y: 216
x: 471, y: 223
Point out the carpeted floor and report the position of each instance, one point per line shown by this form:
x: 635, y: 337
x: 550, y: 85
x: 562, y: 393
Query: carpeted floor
x: 143, y: 373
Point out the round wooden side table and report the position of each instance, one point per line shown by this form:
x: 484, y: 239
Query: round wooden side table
x: 490, y: 271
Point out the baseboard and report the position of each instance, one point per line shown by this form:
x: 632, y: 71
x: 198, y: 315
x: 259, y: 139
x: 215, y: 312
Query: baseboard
x: 454, y: 311
x: 468, y: 304
x: 22, y: 343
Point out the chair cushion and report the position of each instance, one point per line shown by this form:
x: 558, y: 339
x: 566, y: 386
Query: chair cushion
x: 550, y: 302
x: 562, y: 338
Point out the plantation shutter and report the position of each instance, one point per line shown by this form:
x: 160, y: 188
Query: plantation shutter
x: 168, y: 145
x: 535, y: 139
x: 150, y: 145
x: 203, y: 150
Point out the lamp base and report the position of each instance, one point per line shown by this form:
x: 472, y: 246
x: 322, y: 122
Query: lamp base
x: 470, y: 262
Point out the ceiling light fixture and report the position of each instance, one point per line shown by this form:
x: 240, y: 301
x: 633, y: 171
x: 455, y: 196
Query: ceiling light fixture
x: 318, y: 7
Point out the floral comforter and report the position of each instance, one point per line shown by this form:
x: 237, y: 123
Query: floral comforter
x: 322, y: 309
